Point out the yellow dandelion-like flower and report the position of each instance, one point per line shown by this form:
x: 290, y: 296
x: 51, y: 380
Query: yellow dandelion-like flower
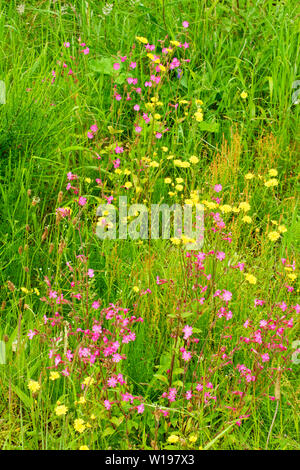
x: 247, y: 219
x: 61, y: 410
x: 135, y: 289
x: 282, y: 229
x: 33, y: 386
x: 165, y: 149
x: 168, y: 180
x: 154, y: 164
x: 250, y: 278
x: 244, y: 95
x: 142, y: 39
x: 175, y: 241
x: 193, y: 439
x: 79, y: 425
x: 249, y: 176
x: 84, y: 448
x: 175, y: 43
x: 226, y: 208
x: 54, y: 375
x: 273, y: 236
x: 194, y: 159
x: 199, y: 116
x: 82, y: 400
x: 292, y: 276
x: 179, y: 187
x: 271, y: 183
x: 273, y: 172
x: 173, y: 439
x: 128, y: 185
x: 88, y: 381
x: 245, y: 206
x: 179, y: 180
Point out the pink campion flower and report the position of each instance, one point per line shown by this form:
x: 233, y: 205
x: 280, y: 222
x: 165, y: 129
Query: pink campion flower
x: 70, y: 72
x: 90, y: 273
x: 90, y: 135
x: 140, y: 408
x: 220, y: 255
x: 85, y: 51
x: 265, y: 357
x: 150, y: 47
x: 136, y: 107
x: 218, y: 188
x: 82, y: 201
x: 66, y: 44
x: 96, y: 305
x: 112, y: 382
x: 246, y: 324
x: 132, y: 65
x: 258, y: 302
x: 174, y: 64
x: 188, y: 395
x: 107, y: 404
x: 65, y: 372
x: 158, y: 135
x: 118, y: 97
x: 52, y: 294
x: 119, y: 149
x: 199, y: 387
x: 227, y: 295
x: 148, y: 84
x: 116, y: 66
x: 31, y: 334
x: 117, y: 357
x: 283, y: 306
x: 263, y: 323
x: 185, y: 24
x: 146, y: 118
x: 123, y: 58
x: 138, y: 90
x: 172, y: 394
x: 57, y: 360
x: 94, y: 128
x: 71, y: 176
x: 138, y: 129
x: 69, y: 355
x: 188, y: 331
x: 296, y: 308
x: 186, y: 355
x: 185, y: 45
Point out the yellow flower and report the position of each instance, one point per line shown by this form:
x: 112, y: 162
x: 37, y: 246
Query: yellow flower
x: 179, y: 187
x: 84, y: 448
x: 250, y: 278
x: 249, y: 176
x: 33, y: 386
x: 157, y: 117
x: 36, y: 291
x: 173, y: 439
x: 61, y: 410
x: 244, y: 95
x: 244, y: 206
x: 199, y: 116
x: 168, y: 180
x: 88, y: 381
x: 282, y: 228
x: 292, y: 276
x: 175, y: 241
x: 154, y: 164
x: 135, y: 289
x: 194, y: 159
x: 273, y: 236
x: 93, y: 416
x: 247, y: 219
x: 142, y: 39
x: 226, y: 208
x: 175, y: 43
x: 87, y: 180
x: 179, y: 180
x: 82, y: 400
x: 26, y: 291
x: 127, y: 172
x: 54, y: 375
x: 273, y: 172
x: 79, y: 425
x: 128, y: 184
x: 271, y: 183
x: 193, y: 439
x: 165, y: 149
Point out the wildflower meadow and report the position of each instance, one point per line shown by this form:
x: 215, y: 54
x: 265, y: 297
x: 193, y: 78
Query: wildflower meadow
x: 149, y: 155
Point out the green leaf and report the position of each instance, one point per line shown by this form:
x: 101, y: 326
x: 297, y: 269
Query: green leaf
x: 209, y: 126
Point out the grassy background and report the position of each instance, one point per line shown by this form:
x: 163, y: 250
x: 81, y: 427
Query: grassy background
x: 234, y: 46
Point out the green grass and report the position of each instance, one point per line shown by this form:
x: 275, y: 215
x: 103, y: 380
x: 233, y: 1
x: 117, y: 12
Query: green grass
x: 234, y: 46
